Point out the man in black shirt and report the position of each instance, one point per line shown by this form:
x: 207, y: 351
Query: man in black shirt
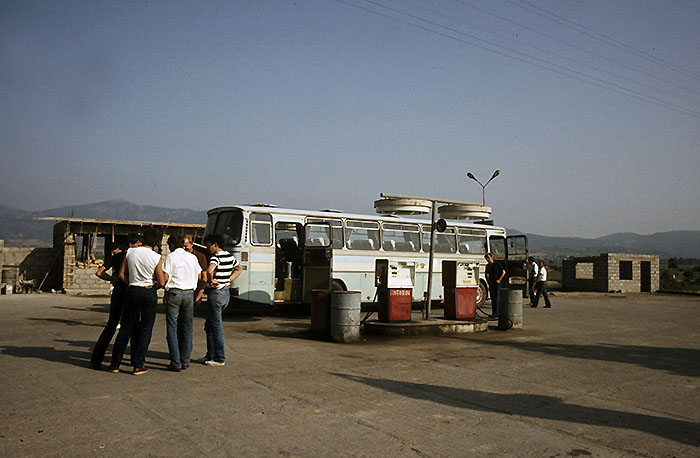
x: 117, y: 300
x: 494, y: 276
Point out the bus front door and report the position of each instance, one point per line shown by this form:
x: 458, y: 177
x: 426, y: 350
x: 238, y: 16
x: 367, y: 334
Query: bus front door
x: 318, y: 259
x: 516, y: 262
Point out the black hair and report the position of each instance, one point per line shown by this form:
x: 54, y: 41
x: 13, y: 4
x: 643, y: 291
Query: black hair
x: 151, y: 237
x: 176, y: 241
x: 214, y: 238
x: 133, y: 238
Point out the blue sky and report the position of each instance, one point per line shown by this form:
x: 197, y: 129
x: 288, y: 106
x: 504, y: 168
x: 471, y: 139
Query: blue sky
x: 591, y: 110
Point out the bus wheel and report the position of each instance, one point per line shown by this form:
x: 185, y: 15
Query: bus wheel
x: 481, y: 294
x: 337, y: 285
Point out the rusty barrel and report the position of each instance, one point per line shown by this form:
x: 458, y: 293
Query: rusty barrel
x: 345, y: 316
x: 510, y: 308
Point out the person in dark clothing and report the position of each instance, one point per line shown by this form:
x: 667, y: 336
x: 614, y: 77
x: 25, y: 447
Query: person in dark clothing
x: 495, y: 273
x: 117, y: 299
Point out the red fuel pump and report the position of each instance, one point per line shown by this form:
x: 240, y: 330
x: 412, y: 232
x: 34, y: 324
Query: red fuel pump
x: 460, y: 281
x: 394, y: 281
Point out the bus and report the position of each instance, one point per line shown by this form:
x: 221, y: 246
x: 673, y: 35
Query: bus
x: 285, y: 253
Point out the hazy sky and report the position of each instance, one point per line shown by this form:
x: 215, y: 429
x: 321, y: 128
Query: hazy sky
x: 590, y: 109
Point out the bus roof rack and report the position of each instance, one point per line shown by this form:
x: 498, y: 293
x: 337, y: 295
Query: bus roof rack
x: 264, y: 205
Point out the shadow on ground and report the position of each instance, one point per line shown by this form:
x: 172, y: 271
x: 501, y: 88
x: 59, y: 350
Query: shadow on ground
x: 77, y: 356
x: 680, y: 361
x: 538, y: 406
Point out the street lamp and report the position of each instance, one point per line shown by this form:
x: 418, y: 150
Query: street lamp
x: 483, y: 186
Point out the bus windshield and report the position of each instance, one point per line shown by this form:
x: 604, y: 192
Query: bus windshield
x: 229, y: 224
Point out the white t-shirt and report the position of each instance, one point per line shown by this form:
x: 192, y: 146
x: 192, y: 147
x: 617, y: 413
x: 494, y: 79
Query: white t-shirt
x: 182, y: 269
x: 543, y: 274
x: 142, y: 263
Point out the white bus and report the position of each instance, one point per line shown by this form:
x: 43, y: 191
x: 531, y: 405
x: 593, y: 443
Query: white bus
x: 274, y: 245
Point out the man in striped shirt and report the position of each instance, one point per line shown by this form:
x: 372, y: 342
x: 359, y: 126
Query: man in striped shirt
x: 222, y: 270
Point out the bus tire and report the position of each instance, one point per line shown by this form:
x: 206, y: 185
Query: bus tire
x: 481, y: 294
x: 338, y: 285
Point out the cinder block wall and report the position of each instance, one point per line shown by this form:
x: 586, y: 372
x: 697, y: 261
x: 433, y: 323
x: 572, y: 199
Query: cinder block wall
x: 585, y: 274
x: 602, y: 273
x: 85, y: 281
x: 633, y: 285
x: 30, y: 263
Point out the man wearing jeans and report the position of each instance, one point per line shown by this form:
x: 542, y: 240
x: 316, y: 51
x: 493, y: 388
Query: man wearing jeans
x: 222, y: 270
x: 182, y: 272
x: 139, y: 270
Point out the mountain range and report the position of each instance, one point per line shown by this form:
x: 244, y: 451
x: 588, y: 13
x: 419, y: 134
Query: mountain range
x: 18, y: 228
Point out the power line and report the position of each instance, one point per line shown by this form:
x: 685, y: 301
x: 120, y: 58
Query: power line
x: 602, y: 70
x: 608, y: 40
x: 562, y: 70
x: 587, y: 51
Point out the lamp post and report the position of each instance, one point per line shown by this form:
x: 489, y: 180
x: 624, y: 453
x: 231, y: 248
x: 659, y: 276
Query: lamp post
x: 483, y: 186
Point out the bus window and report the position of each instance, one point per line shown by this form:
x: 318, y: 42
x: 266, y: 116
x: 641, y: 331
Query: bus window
x: 472, y: 241
x: 211, y: 224
x: 261, y: 229
x: 517, y: 248
x: 445, y: 242
x: 400, y: 237
x: 229, y: 225
x: 362, y: 235
x: 317, y: 235
x: 498, y: 247
x: 336, y: 228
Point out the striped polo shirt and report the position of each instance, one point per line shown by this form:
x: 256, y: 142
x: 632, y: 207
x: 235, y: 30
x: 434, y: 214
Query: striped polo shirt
x: 225, y: 263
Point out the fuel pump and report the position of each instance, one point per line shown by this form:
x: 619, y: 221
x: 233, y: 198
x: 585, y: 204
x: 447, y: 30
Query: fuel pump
x: 460, y: 280
x: 394, y: 280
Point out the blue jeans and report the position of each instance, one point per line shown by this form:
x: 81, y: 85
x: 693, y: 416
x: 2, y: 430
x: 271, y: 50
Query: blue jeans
x: 217, y: 300
x: 179, y: 308
x: 531, y: 290
x: 116, y: 306
x: 137, y: 324
x: 542, y: 291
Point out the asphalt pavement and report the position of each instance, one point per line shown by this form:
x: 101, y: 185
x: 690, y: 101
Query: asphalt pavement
x: 595, y: 375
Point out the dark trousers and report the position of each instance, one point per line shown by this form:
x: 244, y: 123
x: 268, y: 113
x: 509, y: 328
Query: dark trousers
x: 542, y: 291
x: 116, y: 306
x: 137, y: 324
x: 494, y: 291
x: 531, y: 290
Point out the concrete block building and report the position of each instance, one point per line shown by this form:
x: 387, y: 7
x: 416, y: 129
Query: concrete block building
x: 611, y: 272
x: 78, y: 250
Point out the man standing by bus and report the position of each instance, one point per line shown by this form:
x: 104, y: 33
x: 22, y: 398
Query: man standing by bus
x: 494, y: 276
x: 142, y: 270
x: 532, y: 273
x: 222, y: 270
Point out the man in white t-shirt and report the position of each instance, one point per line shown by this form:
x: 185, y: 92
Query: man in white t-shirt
x: 542, y: 287
x: 182, y: 274
x: 140, y: 270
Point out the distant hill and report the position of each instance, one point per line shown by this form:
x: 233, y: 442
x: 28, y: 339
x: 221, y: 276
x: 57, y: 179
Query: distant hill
x: 18, y: 228
x: 678, y: 244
